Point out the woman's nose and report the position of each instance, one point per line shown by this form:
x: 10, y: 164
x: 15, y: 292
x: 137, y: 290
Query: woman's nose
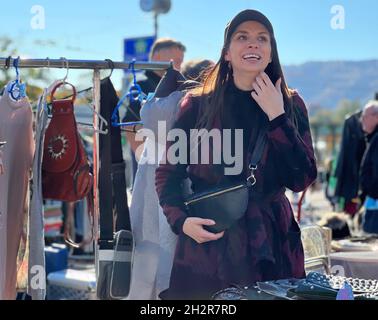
x: 253, y: 44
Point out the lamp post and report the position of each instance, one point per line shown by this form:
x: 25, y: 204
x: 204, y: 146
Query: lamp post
x: 157, y: 7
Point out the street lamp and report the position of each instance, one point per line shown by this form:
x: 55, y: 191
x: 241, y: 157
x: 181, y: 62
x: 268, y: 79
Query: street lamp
x: 157, y: 7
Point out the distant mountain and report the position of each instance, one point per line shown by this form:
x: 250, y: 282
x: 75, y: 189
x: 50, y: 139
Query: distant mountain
x: 324, y: 84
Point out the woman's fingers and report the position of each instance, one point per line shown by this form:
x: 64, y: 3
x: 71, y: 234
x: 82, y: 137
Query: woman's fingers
x: 260, y: 82
x: 207, y: 236
x: 193, y: 227
x: 255, y: 96
x: 266, y: 79
x: 256, y: 88
x: 206, y: 222
x: 278, y: 85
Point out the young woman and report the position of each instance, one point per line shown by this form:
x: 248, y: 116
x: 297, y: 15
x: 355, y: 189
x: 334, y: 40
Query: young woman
x: 245, y: 90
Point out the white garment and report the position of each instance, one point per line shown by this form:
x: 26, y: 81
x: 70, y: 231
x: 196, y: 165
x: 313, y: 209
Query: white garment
x: 36, y: 266
x: 155, y: 242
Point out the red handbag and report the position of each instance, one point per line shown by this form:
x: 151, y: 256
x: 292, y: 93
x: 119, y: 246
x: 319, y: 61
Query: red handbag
x: 66, y: 172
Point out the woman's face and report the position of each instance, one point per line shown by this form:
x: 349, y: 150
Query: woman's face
x: 250, y: 50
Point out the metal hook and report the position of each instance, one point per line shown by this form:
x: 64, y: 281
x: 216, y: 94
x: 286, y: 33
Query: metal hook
x: 132, y: 65
x: 111, y: 65
x: 7, y: 62
x: 15, y: 64
x: 64, y: 60
x: 17, y: 89
x: 252, y: 178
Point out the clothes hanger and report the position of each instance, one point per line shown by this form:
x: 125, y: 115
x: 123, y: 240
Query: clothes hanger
x: 134, y: 94
x: 111, y: 65
x: 63, y: 81
x: 102, y: 121
x: 17, y: 89
x: 6, y: 67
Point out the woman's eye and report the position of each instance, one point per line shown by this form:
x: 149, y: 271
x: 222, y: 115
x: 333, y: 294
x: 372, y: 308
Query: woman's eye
x: 262, y: 39
x: 242, y: 37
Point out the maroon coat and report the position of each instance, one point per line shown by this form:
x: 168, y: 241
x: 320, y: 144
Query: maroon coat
x: 265, y: 244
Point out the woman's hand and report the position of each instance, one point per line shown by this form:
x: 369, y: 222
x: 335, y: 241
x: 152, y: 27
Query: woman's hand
x: 268, y: 96
x: 193, y: 227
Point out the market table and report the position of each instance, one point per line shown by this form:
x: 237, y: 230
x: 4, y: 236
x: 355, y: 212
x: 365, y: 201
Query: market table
x: 356, y: 264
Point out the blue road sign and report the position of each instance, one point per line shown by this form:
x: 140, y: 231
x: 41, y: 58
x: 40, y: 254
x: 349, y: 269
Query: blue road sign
x: 138, y: 48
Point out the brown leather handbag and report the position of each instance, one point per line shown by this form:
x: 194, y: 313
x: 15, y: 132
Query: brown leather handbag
x: 66, y: 172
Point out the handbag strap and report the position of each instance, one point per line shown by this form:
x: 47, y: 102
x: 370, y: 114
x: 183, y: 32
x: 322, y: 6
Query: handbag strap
x: 256, y: 156
x: 105, y: 177
x: 112, y: 181
x: 63, y: 83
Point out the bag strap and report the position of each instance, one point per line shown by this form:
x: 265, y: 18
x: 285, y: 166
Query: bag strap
x: 118, y: 173
x: 105, y: 178
x: 112, y: 181
x: 70, y: 222
x: 120, y: 195
x: 257, y: 155
x: 62, y: 84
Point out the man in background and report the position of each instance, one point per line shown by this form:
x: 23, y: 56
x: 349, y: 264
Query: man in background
x: 164, y: 49
x: 369, y: 167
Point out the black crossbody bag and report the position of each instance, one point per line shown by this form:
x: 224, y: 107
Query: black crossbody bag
x: 226, y: 205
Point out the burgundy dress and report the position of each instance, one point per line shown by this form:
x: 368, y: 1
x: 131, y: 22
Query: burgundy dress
x: 265, y: 244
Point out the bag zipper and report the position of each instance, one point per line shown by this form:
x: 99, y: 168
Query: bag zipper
x: 214, y: 194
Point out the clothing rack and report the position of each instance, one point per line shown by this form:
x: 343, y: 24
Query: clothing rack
x: 64, y: 63
x: 96, y: 66
x: 82, y: 64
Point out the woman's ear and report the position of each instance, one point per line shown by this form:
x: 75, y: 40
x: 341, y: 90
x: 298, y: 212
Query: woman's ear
x: 227, y: 55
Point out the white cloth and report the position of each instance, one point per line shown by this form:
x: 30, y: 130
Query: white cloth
x: 155, y: 242
x: 36, y: 266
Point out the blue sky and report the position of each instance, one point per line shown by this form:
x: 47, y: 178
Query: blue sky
x: 85, y: 29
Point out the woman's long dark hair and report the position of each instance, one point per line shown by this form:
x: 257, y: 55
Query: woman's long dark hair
x: 217, y: 78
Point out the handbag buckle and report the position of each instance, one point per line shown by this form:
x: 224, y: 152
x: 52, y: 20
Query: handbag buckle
x: 252, y: 179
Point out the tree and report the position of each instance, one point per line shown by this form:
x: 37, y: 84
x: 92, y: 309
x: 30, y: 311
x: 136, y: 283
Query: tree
x: 344, y: 108
x: 8, y: 48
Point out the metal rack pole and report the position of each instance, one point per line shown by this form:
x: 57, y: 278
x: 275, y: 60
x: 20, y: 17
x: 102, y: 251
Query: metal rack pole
x: 83, y: 64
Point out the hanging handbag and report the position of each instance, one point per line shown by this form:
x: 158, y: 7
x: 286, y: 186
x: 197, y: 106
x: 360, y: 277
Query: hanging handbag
x: 66, y: 171
x: 66, y: 174
x: 226, y: 205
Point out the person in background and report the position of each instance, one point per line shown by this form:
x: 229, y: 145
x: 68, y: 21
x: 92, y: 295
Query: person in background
x: 164, y: 49
x: 369, y: 167
x: 154, y: 240
x: 196, y: 69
